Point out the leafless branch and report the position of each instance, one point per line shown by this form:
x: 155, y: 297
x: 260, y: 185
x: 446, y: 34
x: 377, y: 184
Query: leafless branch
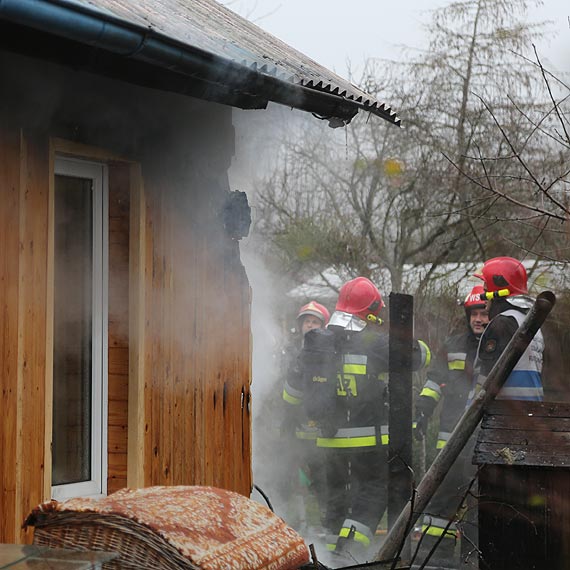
x: 521, y: 161
x: 506, y: 196
x: 554, y: 103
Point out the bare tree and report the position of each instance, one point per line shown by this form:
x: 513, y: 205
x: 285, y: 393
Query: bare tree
x: 533, y: 177
x: 383, y: 197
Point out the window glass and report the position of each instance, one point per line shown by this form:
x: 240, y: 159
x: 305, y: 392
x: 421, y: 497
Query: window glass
x: 73, y: 319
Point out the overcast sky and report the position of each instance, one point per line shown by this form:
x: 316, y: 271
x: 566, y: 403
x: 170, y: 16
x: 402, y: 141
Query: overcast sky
x: 333, y: 32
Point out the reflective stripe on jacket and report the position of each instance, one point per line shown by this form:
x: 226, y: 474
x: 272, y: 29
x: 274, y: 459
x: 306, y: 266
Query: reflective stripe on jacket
x: 442, y: 439
x: 431, y: 390
x: 292, y: 395
x: 435, y: 526
x: 347, y: 438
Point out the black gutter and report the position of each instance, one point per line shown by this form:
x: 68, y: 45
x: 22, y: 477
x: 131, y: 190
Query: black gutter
x: 98, y: 29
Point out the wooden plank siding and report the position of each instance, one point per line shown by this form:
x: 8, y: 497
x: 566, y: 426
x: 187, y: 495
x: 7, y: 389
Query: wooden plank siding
x: 118, y: 332
x: 198, y: 348
x: 9, y: 260
x: 34, y: 215
x: 24, y: 195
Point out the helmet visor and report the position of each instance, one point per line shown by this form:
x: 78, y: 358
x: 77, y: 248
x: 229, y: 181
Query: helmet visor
x: 347, y: 321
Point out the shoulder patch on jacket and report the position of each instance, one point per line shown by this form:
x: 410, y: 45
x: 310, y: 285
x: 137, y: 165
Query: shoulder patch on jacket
x: 490, y: 345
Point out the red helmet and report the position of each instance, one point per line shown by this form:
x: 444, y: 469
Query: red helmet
x: 316, y: 310
x: 474, y: 300
x: 504, y: 273
x: 359, y: 297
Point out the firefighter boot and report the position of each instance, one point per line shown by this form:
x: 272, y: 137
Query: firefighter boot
x: 444, y: 557
x: 349, y: 552
x: 352, y: 546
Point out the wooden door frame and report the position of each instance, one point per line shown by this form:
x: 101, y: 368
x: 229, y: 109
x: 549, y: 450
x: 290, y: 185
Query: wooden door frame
x: 135, y: 433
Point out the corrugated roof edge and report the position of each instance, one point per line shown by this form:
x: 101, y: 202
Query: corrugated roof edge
x: 328, y: 81
x: 100, y: 28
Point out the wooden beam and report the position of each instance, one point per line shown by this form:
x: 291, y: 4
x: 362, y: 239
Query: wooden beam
x: 10, y: 142
x: 34, y: 199
x: 78, y: 150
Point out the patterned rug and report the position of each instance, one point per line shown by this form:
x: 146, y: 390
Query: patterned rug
x: 213, y: 528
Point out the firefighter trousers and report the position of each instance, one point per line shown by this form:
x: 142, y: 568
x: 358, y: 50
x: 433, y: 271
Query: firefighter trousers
x: 356, y: 486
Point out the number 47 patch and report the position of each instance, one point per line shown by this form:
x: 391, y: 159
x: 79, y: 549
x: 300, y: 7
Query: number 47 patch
x: 346, y: 385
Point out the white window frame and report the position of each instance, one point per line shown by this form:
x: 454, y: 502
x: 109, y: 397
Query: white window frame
x: 98, y: 173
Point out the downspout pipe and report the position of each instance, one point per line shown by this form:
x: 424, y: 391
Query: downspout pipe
x: 98, y: 29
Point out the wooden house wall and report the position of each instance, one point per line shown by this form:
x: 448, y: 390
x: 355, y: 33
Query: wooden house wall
x: 179, y: 300
x: 203, y: 337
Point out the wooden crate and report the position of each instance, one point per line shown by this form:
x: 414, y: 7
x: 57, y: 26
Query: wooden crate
x: 523, y: 450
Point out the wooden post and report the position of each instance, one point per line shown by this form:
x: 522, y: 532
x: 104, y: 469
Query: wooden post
x: 466, y: 425
x: 400, y: 421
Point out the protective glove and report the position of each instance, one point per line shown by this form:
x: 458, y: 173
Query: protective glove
x: 421, y: 425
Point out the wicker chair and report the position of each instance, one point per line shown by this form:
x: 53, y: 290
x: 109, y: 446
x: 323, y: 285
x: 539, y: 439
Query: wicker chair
x: 137, y: 546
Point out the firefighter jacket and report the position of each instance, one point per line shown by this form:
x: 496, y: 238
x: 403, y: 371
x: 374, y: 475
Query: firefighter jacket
x: 343, y: 385
x: 450, y: 381
x: 295, y: 421
x: 525, y: 381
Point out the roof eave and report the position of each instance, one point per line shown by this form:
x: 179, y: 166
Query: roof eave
x: 100, y: 30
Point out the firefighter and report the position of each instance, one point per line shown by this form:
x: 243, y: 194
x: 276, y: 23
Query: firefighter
x: 506, y: 289
x: 311, y: 316
x: 299, y: 434
x: 449, y: 381
x: 506, y: 292
x: 343, y: 372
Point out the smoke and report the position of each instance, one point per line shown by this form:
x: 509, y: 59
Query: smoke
x: 258, y: 139
x: 267, y: 337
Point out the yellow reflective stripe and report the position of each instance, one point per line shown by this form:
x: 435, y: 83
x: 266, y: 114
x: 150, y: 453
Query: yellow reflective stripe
x: 431, y: 394
x: 427, y: 352
x: 306, y: 435
x: 385, y: 439
x: 456, y: 365
x: 437, y: 531
x: 354, y: 368
x: 291, y: 399
x: 440, y: 443
x: 357, y: 536
x: 365, y: 441
x: 331, y: 547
